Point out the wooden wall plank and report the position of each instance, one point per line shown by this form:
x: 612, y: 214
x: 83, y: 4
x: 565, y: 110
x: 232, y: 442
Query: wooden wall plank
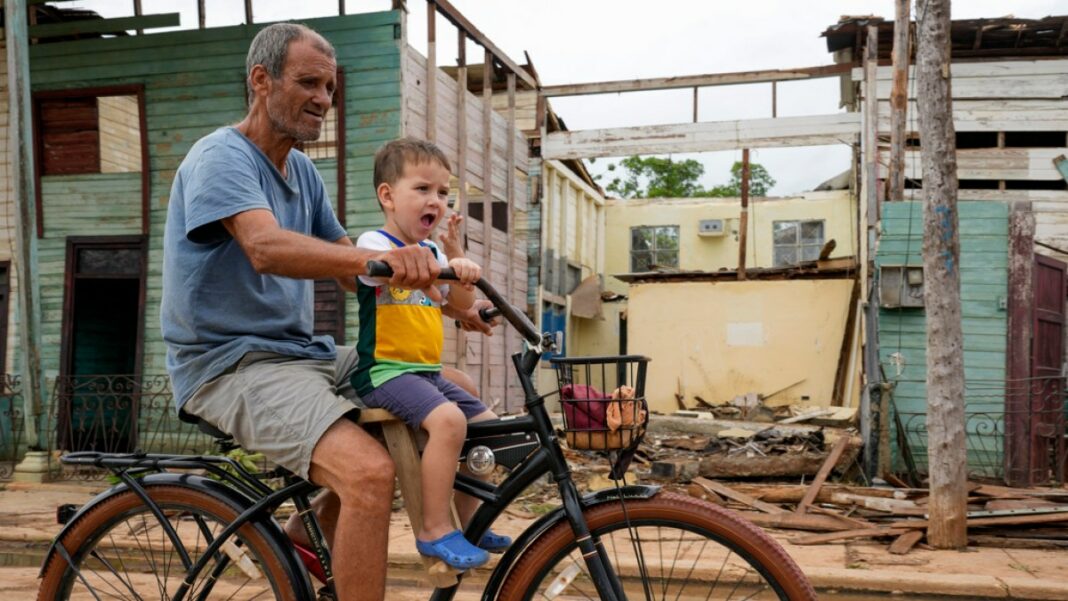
x: 703, y: 137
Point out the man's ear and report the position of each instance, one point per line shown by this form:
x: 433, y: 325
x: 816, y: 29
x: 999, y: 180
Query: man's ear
x: 259, y: 80
x: 385, y: 195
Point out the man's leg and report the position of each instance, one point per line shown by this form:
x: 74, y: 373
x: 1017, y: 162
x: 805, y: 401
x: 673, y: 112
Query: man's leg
x: 359, y: 471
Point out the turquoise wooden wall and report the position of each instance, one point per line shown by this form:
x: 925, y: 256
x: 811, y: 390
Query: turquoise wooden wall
x: 194, y: 83
x: 984, y: 290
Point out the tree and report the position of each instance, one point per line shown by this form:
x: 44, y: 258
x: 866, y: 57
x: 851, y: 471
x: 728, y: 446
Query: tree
x: 656, y: 177
x: 759, y: 182
x: 948, y: 458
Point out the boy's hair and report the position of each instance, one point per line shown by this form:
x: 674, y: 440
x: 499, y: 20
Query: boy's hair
x: 391, y: 159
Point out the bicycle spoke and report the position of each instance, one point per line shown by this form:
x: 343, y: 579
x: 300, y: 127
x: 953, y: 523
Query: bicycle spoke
x: 125, y: 581
x: 129, y: 579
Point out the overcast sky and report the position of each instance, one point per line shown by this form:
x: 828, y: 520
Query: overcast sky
x: 577, y: 41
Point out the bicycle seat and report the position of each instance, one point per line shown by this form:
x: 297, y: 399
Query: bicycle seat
x: 224, y: 441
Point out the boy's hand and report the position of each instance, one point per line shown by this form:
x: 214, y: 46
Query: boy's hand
x: 467, y: 272
x: 451, y: 243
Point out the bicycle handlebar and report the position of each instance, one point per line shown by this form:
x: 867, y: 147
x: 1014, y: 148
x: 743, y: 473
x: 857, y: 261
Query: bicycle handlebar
x: 518, y: 319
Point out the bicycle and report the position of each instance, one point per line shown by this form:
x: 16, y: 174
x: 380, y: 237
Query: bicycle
x: 177, y: 535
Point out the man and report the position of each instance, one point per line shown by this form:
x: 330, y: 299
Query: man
x: 248, y: 227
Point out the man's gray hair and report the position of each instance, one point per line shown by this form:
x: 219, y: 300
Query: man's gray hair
x: 271, y: 46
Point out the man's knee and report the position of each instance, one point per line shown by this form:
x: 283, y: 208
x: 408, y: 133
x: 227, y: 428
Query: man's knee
x: 350, y: 462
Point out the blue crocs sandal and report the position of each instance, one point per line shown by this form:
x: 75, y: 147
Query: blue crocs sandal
x: 454, y: 550
x: 494, y: 543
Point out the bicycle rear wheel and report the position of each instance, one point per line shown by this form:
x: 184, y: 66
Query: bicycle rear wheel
x: 675, y: 547
x: 119, y: 550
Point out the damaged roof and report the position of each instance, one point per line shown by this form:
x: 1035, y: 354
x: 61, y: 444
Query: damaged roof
x: 972, y: 38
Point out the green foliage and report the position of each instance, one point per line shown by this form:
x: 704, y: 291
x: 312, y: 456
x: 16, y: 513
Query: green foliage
x: 656, y: 177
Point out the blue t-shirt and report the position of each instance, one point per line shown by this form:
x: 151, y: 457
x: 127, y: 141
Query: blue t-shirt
x: 215, y: 306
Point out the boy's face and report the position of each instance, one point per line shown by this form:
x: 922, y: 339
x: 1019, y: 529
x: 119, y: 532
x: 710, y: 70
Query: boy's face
x: 416, y: 202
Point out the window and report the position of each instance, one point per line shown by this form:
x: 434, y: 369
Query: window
x: 654, y: 246
x: 89, y: 134
x: 499, y: 216
x: 797, y: 241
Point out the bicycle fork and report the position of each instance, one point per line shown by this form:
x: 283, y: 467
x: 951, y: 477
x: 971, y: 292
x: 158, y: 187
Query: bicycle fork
x: 592, y: 549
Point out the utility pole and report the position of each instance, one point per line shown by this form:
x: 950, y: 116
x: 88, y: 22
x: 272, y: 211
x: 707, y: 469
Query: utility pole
x: 941, y: 265
x: 899, y: 102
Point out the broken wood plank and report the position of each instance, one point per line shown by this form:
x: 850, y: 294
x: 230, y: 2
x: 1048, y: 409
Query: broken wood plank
x: 726, y: 491
x: 902, y: 506
x: 819, y: 539
x: 904, y: 543
x: 793, y: 521
x: 850, y: 521
x: 1009, y: 520
x: 793, y: 493
x: 821, y: 476
x: 807, y: 415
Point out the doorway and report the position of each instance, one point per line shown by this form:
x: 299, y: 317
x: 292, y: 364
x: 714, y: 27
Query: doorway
x: 98, y: 389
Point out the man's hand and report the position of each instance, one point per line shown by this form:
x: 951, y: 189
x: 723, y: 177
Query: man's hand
x: 469, y: 318
x: 414, y: 267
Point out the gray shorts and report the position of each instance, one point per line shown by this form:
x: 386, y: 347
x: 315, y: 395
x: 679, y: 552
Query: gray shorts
x: 279, y: 405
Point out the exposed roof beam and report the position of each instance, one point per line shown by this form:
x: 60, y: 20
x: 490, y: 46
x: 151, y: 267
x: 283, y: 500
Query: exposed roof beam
x: 818, y: 130
x: 456, y: 18
x: 690, y: 81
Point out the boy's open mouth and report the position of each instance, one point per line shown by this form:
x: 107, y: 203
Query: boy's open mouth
x: 427, y: 220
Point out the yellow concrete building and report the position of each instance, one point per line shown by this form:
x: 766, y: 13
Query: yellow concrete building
x: 784, y: 333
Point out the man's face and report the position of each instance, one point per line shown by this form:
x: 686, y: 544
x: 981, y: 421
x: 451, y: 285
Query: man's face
x: 298, y: 100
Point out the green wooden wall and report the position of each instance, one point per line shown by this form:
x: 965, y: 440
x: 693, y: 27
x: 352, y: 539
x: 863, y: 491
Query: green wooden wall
x: 984, y: 290
x: 194, y: 83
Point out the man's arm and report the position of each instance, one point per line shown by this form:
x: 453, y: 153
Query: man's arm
x: 277, y: 251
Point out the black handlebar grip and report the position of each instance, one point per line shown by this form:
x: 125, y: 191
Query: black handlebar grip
x: 379, y: 269
x: 489, y: 313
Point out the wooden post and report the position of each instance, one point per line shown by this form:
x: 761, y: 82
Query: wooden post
x: 869, y: 216
x: 743, y: 222
x: 510, y: 243
x: 248, y: 12
x: 695, y: 104
x: 461, y: 169
x: 23, y: 193
x: 341, y: 7
x: 1017, y: 445
x: 137, y: 13
x: 774, y: 99
x: 487, y: 206
x: 899, y: 102
x: 431, y: 72
x: 201, y: 14
x: 948, y: 460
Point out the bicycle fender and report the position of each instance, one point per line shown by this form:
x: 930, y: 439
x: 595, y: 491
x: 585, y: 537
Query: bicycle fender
x: 547, y: 521
x: 239, y: 501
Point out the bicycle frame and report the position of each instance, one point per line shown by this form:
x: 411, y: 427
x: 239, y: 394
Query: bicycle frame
x: 547, y: 458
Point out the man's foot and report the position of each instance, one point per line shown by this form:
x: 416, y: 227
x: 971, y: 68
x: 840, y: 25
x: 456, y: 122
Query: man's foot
x: 454, y: 550
x: 494, y: 543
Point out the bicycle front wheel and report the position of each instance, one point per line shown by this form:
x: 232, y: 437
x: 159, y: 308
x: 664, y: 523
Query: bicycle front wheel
x: 119, y: 550
x: 667, y: 547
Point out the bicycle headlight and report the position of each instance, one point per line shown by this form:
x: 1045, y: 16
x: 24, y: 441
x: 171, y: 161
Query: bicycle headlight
x: 480, y: 460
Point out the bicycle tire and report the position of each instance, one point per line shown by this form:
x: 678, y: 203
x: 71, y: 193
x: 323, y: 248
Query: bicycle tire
x: 111, y: 555
x: 552, y: 558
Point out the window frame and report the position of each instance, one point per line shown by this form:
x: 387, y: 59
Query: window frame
x: 137, y: 90
x: 798, y: 245
x: 653, y: 250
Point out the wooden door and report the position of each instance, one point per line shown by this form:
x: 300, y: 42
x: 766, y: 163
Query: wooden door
x: 1047, y: 450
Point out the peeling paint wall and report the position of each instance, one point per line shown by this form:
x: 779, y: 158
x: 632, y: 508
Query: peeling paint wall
x: 718, y: 340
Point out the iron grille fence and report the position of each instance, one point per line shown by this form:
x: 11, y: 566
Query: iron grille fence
x: 1015, y: 431
x: 11, y: 424
x: 116, y: 413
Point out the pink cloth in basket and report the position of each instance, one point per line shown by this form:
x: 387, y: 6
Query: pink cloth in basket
x: 581, y: 415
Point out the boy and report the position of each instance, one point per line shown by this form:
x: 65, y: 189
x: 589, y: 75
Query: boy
x: 401, y: 339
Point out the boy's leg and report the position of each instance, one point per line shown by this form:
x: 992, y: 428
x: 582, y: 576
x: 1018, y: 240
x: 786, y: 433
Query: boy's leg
x: 446, y: 428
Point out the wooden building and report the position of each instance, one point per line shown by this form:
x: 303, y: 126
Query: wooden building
x: 115, y: 114
x: 1009, y: 84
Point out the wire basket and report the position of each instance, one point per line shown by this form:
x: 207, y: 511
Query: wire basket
x: 603, y: 401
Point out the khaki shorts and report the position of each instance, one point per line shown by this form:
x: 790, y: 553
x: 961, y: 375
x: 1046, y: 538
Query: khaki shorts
x: 279, y: 405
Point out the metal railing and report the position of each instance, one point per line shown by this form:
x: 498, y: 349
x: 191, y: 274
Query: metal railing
x: 1015, y: 431
x: 12, y: 424
x: 116, y: 413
